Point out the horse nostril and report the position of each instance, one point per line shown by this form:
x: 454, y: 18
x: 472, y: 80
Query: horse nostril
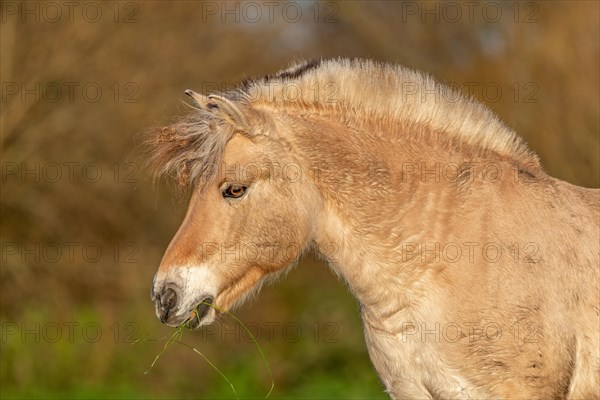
x: 169, y: 298
x: 166, y: 301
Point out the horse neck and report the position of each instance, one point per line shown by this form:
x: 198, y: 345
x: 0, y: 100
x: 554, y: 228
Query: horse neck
x: 371, y: 205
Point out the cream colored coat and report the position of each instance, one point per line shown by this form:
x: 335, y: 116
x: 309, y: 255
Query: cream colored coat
x: 477, y: 273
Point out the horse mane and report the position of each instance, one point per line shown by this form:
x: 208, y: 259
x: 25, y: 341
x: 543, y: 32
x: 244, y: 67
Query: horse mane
x: 365, y: 89
x: 191, y: 151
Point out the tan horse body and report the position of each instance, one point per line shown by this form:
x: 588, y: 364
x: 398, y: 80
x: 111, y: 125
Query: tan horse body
x: 478, y: 275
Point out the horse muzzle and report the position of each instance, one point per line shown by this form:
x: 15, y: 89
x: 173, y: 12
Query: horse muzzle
x: 171, y: 309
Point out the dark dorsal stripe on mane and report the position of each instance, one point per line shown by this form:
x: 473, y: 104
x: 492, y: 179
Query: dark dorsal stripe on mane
x: 293, y: 72
x: 296, y: 71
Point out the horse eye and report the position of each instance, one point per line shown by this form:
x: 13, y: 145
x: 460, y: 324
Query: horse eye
x: 234, y: 191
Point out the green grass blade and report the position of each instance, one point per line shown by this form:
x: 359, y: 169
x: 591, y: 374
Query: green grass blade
x: 212, y: 365
x: 170, y: 341
x: 262, y: 354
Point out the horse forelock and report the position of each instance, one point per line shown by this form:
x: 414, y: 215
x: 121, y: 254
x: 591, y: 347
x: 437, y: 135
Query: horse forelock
x: 190, y: 151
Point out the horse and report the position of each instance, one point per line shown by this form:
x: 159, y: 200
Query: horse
x: 477, y: 273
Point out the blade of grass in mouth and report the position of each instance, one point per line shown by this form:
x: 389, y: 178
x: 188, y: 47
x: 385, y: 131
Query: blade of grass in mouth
x: 262, y: 354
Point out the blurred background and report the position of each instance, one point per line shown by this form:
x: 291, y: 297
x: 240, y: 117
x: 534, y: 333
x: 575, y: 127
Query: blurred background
x: 83, y: 229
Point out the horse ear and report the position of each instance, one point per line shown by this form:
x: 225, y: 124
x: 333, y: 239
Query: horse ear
x: 200, y: 99
x: 222, y: 106
x: 230, y: 111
